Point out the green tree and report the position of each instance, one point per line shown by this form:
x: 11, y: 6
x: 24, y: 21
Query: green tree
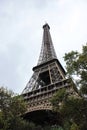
x: 73, y: 109
x: 57, y: 99
x: 76, y: 65
x: 11, y: 107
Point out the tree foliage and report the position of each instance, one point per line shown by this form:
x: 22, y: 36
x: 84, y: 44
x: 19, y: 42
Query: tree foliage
x: 11, y: 107
x: 73, y: 109
x: 57, y: 99
x: 76, y: 65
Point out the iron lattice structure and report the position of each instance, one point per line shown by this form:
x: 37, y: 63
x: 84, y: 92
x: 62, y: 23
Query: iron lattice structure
x: 47, y: 54
x: 47, y: 49
x: 48, y: 76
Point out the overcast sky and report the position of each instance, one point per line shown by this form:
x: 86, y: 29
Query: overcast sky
x: 21, y: 33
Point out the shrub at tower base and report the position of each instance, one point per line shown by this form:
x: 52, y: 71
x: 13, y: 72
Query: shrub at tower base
x: 10, y: 108
x: 74, y: 109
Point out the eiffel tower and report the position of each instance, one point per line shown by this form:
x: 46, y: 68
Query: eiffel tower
x: 48, y: 77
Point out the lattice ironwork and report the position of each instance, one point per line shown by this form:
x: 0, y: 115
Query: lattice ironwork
x: 48, y: 77
x: 45, y: 73
x: 47, y: 50
x: 43, y: 76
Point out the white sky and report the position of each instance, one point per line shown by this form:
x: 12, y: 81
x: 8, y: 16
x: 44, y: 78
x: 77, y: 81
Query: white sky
x: 21, y: 32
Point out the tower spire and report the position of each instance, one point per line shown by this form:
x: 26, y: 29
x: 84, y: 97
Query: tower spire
x: 47, y: 50
x: 48, y: 70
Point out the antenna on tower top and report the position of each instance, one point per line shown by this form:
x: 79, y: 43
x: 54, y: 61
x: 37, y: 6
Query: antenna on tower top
x: 46, y: 25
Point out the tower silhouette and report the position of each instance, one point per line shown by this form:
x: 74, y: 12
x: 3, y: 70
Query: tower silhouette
x: 48, y: 77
